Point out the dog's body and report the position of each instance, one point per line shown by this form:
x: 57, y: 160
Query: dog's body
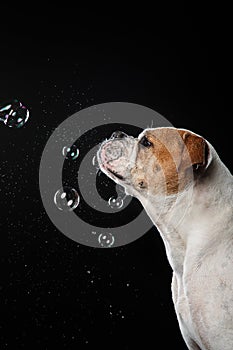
x: 188, y: 194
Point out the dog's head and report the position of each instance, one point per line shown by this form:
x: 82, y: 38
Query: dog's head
x: 161, y: 161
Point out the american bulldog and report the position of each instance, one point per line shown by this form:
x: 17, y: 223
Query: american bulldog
x: 188, y: 193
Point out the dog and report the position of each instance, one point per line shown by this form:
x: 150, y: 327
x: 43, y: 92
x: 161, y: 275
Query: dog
x: 188, y: 193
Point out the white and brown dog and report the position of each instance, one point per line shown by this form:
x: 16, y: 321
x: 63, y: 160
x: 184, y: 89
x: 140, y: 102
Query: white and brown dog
x: 188, y: 193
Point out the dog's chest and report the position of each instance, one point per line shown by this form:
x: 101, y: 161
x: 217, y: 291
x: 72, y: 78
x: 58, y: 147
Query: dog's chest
x: 183, y: 309
x: 204, y: 300
x: 191, y: 310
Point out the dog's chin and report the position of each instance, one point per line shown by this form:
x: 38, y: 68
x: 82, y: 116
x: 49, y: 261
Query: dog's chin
x: 115, y: 174
x: 123, y: 180
x: 112, y: 173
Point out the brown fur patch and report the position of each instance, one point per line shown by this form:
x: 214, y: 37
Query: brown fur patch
x: 176, y: 151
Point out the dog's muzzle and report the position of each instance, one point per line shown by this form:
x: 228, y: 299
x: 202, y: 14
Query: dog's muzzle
x: 112, y: 151
x: 113, y: 155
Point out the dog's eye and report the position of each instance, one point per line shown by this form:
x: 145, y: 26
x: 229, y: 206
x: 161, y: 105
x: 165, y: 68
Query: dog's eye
x: 145, y: 142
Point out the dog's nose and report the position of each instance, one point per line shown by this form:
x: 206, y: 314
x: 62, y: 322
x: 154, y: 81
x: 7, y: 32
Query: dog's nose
x: 118, y: 135
x: 112, y: 150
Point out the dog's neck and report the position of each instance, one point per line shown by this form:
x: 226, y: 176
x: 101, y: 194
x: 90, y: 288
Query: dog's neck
x: 186, y: 221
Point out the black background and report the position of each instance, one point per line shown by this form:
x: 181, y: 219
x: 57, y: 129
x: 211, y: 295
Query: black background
x: 58, y: 60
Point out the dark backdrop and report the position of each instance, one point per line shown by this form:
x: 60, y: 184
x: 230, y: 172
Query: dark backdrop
x: 58, y: 60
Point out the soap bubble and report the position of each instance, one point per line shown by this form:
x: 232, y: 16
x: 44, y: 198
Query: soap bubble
x: 116, y: 203
x: 66, y: 199
x: 14, y: 114
x: 70, y: 152
x: 106, y: 240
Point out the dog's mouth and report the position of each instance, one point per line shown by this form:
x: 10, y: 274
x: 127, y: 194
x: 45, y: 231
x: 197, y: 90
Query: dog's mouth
x: 120, y: 177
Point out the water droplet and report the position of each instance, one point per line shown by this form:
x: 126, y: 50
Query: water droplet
x: 14, y: 114
x: 70, y: 152
x: 116, y: 203
x: 106, y: 240
x: 66, y: 199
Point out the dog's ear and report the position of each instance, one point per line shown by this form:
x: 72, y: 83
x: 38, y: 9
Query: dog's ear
x: 195, y: 151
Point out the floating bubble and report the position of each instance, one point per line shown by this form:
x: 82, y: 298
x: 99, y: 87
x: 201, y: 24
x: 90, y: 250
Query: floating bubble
x: 66, y: 199
x: 14, y: 114
x: 116, y: 203
x: 70, y: 152
x: 106, y: 240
